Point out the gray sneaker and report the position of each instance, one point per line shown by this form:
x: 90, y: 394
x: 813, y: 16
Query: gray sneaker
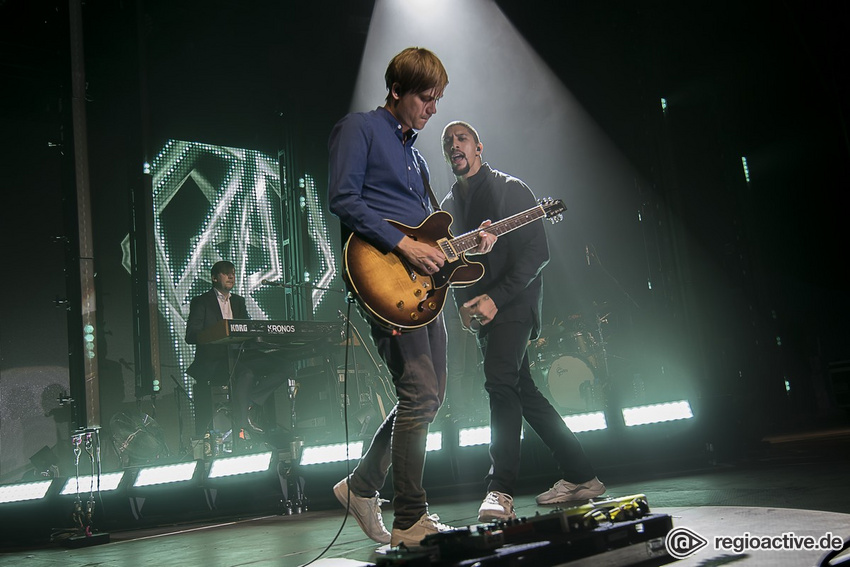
x: 496, y: 506
x: 413, y: 536
x: 564, y: 491
x: 367, y: 511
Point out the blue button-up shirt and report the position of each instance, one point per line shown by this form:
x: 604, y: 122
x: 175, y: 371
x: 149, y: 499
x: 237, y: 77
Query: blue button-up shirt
x: 375, y: 175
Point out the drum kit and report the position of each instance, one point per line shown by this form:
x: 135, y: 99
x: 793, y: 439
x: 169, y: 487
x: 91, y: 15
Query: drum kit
x: 570, y: 363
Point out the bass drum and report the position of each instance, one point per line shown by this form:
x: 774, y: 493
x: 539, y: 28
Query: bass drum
x: 585, y: 346
x: 570, y: 382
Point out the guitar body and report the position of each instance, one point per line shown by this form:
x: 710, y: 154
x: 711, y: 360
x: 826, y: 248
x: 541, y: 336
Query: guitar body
x: 391, y: 291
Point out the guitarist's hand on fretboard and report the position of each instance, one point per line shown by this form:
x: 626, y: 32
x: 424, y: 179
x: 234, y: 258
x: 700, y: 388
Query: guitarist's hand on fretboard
x: 487, y: 240
x: 423, y: 257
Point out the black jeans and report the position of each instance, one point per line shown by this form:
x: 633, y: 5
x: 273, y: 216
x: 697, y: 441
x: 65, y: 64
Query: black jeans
x: 514, y: 396
x: 417, y: 363
x: 255, y: 377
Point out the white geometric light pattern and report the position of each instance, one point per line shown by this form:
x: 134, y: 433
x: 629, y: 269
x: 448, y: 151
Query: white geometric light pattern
x: 239, y: 220
x: 318, y: 231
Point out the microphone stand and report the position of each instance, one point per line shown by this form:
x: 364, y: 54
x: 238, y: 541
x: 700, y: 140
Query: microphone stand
x: 382, y: 374
x: 180, y: 387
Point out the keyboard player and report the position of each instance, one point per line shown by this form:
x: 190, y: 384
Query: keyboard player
x: 251, y: 376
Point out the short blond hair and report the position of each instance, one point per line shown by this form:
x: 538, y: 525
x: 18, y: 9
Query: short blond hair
x: 415, y: 70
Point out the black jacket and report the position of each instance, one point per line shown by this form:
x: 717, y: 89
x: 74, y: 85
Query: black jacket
x: 512, y: 270
x: 211, y: 361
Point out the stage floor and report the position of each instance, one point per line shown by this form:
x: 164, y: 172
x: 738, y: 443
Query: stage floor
x: 800, y: 487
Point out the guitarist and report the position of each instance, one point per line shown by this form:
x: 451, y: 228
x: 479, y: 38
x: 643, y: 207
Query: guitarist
x: 503, y: 308
x: 376, y: 174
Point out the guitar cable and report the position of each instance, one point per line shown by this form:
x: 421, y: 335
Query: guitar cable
x: 346, y: 341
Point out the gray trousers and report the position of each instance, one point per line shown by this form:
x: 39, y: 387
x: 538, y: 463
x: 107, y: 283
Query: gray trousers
x: 416, y: 361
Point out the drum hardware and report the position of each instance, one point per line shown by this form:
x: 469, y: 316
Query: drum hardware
x: 580, y: 342
x: 548, y: 345
x: 600, y: 320
x: 585, y: 345
x: 571, y: 383
x: 572, y: 362
x: 591, y: 252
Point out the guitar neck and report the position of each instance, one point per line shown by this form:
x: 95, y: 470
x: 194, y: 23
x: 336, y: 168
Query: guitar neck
x: 470, y: 240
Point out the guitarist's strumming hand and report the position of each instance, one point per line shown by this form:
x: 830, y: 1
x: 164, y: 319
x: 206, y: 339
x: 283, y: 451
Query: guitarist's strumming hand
x: 477, y: 312
x: 488, y: 240
x: 423, y: 256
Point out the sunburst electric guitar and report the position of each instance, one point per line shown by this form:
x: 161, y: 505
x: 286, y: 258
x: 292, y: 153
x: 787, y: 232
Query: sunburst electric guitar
x: 396, y: 295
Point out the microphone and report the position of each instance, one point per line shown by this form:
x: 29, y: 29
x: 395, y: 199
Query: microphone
x: 587, y: 253
x: 267, y: 282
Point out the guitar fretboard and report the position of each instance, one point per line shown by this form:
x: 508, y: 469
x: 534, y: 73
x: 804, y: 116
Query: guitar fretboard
x: 470, y: 240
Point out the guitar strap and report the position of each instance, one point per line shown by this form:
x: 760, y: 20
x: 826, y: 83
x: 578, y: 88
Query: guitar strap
x: 434, y: 202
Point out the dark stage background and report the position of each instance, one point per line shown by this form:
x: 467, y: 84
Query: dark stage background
x: 748, y: 279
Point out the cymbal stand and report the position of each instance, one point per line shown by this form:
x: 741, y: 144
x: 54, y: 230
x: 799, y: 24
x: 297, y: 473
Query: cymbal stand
x: 599, y: 321
x: 590, y: 251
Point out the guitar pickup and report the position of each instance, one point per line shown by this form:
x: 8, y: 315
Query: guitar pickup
x: 448, y: 250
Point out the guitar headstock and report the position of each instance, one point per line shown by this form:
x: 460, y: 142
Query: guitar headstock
x: 554, y: 209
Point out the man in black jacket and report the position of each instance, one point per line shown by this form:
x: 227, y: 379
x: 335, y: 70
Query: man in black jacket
x: 254, y: 377
x: 503, y: 308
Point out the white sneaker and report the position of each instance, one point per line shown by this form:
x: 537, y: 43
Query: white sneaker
x: 413, y: 536
x: 367, y: 511
x: 564, y: 491
x: 496, y: 506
